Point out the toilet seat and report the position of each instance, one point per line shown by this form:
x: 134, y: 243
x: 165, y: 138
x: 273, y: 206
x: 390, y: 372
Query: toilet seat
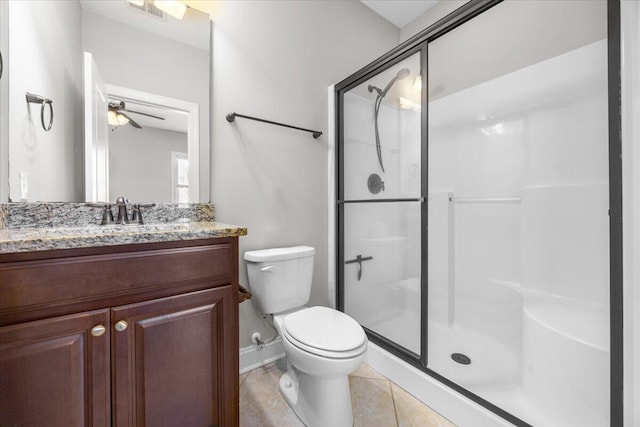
x: 325, y: 332
x: 325, y: 353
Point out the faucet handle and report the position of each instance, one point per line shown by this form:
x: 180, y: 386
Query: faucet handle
x: 137, y: 213
x: 107, y: 215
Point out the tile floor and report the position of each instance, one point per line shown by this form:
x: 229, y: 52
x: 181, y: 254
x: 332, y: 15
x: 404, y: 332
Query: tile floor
x: 376, y: 401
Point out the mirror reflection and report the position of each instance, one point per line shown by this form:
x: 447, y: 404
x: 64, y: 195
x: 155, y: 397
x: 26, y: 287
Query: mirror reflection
x: 108, y: 66
x: 166, y: 139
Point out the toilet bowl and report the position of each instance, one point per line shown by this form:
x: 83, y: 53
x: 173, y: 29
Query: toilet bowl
x: 316, y: 384
x: 322, y: 345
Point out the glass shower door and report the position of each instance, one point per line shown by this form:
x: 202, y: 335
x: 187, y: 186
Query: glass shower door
x: 518, y: 214
x: 473, y: 208
x: 381, y: 205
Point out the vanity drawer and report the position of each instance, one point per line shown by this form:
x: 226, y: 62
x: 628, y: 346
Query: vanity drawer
x: 38, y: 289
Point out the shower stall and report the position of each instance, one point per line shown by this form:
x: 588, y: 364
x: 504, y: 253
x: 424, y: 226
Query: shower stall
x: 476, y: 207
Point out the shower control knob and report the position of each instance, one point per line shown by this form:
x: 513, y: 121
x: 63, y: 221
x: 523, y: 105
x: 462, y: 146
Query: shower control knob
x: 375, y: 183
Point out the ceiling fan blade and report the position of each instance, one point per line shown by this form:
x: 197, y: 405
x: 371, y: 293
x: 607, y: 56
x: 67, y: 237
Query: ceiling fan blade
x: 144, y: 114
x: 131, y: 121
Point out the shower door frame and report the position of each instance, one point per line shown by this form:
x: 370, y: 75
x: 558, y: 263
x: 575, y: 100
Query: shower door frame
x: 419, y: 43
x: 341, y: 202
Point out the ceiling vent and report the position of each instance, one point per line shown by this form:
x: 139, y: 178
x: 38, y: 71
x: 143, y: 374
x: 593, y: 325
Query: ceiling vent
x: 148, y: 8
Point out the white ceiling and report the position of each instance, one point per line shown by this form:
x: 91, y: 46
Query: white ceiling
x: 399, y: 12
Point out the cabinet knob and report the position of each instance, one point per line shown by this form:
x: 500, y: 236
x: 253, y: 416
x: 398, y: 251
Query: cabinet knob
x: 121, y: 325
x: 98, y: 330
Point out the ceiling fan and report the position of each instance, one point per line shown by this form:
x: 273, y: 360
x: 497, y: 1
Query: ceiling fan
x: 116, y: 115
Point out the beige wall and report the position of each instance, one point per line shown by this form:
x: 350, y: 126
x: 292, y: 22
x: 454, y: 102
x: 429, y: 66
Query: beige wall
x: 140, y: 162
x: 44, y: 58
x: 275, y: 60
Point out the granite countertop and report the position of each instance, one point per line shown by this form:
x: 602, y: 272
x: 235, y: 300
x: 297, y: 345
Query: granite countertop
x: 28, y: 239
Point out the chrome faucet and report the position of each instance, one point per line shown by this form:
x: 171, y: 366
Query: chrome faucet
x: 123, y: 216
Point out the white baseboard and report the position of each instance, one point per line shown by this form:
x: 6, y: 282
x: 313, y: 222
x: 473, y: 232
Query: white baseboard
x: 253, y: 357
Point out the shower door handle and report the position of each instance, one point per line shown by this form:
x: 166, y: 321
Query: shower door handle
x: 359, y: 259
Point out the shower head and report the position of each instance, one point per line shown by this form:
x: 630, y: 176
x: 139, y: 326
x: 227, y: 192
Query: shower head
x: 402, y: 74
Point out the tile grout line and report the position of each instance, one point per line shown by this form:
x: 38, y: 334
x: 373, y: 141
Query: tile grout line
x: 369, y: 378
x: 269, y: 370
x: 422, y: 403
x: 393, y: 400
x: 243, y: 380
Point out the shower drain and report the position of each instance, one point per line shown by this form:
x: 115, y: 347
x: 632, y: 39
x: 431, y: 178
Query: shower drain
x: 463, y: 359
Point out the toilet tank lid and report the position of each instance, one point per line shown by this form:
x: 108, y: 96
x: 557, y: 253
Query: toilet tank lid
x: 279, y: 254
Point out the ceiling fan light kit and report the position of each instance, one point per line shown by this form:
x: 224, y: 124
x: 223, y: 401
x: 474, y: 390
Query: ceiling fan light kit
x: 117, y: 117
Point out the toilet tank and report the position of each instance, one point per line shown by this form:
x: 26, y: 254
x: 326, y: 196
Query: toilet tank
x: 280, y: 278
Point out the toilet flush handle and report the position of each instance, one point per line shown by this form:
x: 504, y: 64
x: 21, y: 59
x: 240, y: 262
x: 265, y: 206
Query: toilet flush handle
x: 267, y: 268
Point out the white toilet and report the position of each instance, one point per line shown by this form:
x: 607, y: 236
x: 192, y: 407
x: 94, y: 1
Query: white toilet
x: 323, y: 346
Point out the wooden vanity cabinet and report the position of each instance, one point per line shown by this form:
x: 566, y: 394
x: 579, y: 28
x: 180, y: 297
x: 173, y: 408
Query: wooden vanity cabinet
x: 54, y: 373
x: 131, y: 335
x: 157, y: 384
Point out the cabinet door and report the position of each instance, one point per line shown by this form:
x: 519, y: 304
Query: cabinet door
x: 175, y: 361
x: 55, y: 372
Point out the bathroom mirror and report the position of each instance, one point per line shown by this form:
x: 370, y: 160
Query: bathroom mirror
x: 152, y: 118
